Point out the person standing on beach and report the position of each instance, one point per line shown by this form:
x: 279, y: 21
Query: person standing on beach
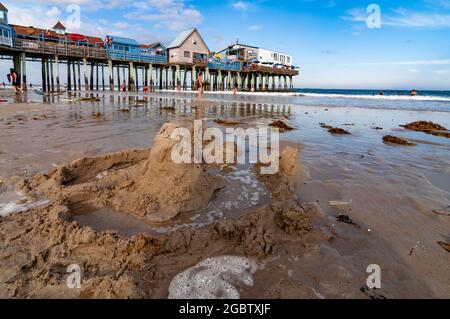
x: 124, y: 87
x: 200, y: 85
x: 15, y: 81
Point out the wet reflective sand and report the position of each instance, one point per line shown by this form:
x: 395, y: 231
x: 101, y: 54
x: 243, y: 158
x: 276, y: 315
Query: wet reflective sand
x: 390, y: 191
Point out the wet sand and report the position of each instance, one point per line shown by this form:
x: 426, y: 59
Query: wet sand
x: 390, y: 191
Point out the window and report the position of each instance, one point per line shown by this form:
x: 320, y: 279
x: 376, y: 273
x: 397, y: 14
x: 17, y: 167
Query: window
x: 194, y: 41
x: 187, y: 54
x: 289, y: 59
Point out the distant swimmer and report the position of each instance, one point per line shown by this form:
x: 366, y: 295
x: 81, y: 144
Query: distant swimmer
x: 381, y: 93
x: 413, y: 93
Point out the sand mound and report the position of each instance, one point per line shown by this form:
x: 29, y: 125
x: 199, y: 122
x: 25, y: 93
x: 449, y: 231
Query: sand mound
x: 164, y: 189
x: 145, y: 183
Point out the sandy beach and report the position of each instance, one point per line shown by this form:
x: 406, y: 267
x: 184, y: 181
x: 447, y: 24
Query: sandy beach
x: 74, y: 175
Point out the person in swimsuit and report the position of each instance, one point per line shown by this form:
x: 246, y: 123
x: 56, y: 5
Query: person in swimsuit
x: 200, y: 84
x: 15, y: 79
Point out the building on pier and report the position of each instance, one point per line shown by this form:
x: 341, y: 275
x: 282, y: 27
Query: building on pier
x: 251, y: 54
x: 188, y: 48
x: 59, y: 28
x: 6, y: 31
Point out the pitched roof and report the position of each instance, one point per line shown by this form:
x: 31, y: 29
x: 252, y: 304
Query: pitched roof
x: 123, y: 41
x: 152, y: 45
x: 183, y: 36
x: 34, y: 32
x: 2, y: 7
x: 59, y: 26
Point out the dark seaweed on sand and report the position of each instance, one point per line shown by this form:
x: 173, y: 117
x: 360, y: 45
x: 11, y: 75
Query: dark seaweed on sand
x: 396, y: 140
x: 428, y: 128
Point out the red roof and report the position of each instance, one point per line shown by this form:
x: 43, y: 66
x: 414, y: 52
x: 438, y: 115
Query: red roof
x: 59, y: 26
x: 35, y: 32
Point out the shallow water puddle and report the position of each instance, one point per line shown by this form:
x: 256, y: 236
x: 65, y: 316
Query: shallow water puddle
x: 242, y: 192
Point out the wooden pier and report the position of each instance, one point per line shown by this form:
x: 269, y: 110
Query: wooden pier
x: 92, y: 68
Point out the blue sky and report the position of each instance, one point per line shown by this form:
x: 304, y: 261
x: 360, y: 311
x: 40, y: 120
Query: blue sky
x: 329, y: 39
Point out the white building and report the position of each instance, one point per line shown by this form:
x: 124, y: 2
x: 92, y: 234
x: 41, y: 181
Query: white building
x: 246, y: 53
x: 273, y: 57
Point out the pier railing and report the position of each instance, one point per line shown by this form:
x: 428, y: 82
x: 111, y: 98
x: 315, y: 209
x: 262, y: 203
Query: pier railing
x: 270, y: 69
x: 136, y: 57
x: 235, y: 66
x: 62, y: 49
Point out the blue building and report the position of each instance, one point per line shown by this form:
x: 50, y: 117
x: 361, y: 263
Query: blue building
x: 6, y: 31
x: 120, y: 48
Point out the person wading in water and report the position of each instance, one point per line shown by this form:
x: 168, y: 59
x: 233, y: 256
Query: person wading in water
x: 15, y: 81
x: 200, y: 85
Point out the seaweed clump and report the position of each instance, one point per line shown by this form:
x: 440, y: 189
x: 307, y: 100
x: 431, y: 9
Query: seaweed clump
x: 397, y: 140
x: 428, y: 127
x: 334, y: 130
x: 281, y: 126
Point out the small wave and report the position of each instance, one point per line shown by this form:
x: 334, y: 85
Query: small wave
x: 379, y: 97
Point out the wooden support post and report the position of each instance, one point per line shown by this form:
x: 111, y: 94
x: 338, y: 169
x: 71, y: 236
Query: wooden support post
x: 51, y: 76
x: 44, y: 86
x: 111, y: 76
x: 96, y: 77
x: 58, y: 86
x: 160, y: 78
x: 74, y: 77
x: 150, y: 77
x: 86, y: 83
x: 124, y: 75
x: 103, y: 77
x: 167, y: 78
x: 144, y: 76
x: 91, y: 77
x: 131, y: 77
x: 208, y: 79
x: 23, y: 61
x: 79, y: 75
x: 136, y: 81
x: 69, y: 76
x: 118, y: 78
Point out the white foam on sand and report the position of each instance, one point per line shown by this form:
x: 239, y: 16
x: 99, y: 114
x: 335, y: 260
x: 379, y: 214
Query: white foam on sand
x: 18, y: 202
x: 213, y: 278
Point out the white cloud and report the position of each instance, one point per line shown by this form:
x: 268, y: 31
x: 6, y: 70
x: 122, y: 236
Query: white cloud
x: 402, y: 18
x: 241, y: 6
x: 441, y: 72
x: 255, y: 28
x: 54, y: 12
x: 171, y: 14
x: 423, y: 62
x: 121, y: 25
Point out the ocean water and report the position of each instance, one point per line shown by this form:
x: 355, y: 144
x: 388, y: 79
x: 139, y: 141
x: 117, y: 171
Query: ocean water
x: 391, y: 99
